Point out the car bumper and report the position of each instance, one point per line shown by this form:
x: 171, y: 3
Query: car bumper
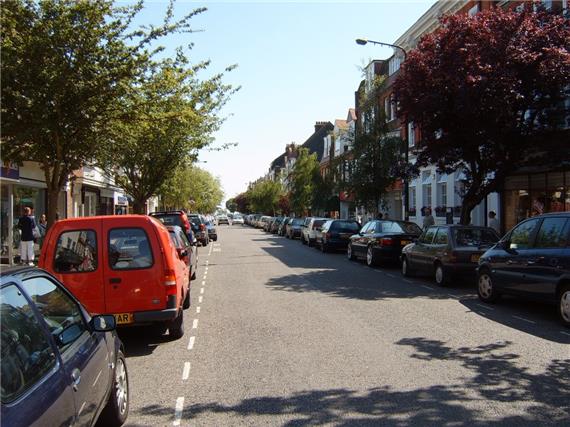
x: 336, y: 244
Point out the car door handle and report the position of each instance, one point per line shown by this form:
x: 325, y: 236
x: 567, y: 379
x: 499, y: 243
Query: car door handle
x: 76, y: 377
x: 510, y: 261
x: 115, y: 280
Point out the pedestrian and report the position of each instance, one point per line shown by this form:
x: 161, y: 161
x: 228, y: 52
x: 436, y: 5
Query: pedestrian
x: 494, y: 222
x: 27, y: 225
x: 379, y: 216
x: 428, y: 219
x: 43, y: 228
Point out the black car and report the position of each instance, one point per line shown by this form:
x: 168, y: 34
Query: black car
x: 274, y: 228
x: 382, y: 240
x: 335, y: 234
x: 198, y: 224
x: 293, y: 228
x: 531, y: 261
x: 446, y: 251
x: 60, y: 366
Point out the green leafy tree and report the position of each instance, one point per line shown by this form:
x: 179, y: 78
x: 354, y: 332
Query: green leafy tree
x: 304, y: 176
x: 231, y: 205
x: 65, y: 64
x: 264, y: 196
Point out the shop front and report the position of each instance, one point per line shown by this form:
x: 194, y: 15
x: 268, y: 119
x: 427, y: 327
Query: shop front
x: 531, y: 194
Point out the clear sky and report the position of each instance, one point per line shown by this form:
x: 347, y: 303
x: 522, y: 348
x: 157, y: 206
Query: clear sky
x: 297, y: 62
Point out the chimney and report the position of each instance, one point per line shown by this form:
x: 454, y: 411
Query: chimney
x: 319, y: 125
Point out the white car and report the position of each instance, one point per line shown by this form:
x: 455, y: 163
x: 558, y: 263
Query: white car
x: 309, y: 231
x: 238, y: 219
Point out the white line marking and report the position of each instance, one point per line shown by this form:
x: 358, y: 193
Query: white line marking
x: 210, y: 251
x: 191, y: 343
x: 485, y: 307
x: 524, y: 320
x: 453, y: 296
x: 178, y: 411
x: 195, y: 324
x: 203, y: 282
x: 407, y: 281
x: 565, y: 333
x: 201, y: 290
x: 217, y: 250
x: 206, y: 268
x: 198, y: 309
x: 186, y: 371
x: 200, y: 299
x: 427, y: 287
x: 390, y: 275
x: 97, y: 379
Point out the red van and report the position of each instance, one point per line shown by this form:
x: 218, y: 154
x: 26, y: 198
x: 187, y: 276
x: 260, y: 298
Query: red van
x: 125, y: 265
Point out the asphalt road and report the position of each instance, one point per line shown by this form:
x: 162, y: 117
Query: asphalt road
x: 281, y: 334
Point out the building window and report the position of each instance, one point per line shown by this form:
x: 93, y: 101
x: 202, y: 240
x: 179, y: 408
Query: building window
x: 473, y: 10
x: 392, y: 108
x: 411, y: 135
x: 412, y: 196
x: 387, y: 108
x: 394, y: 64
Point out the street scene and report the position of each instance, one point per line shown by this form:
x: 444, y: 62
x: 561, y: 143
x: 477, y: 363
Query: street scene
x: 285, y: 213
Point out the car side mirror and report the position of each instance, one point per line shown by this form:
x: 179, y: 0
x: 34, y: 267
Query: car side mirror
x: 103, y: 323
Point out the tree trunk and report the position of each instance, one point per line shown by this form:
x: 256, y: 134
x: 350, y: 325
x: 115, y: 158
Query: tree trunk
x: 466, y: 208
x: 52, y: 199
x: 139, y: 207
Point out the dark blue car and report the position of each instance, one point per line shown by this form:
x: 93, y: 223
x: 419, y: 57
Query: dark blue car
x: 531, y: 261
x: 59, y: 366
x: 335, y: 234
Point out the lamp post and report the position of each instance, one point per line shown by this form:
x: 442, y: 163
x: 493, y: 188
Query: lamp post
x: 362, y: 42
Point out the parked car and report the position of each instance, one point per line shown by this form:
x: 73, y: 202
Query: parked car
x: 293, y: 229
x: 238, y: 219
x: 382, y: 240
x: 263, y: 222
x: 283, y: 226
x: 125, y: 265
x: 187, y: 251
x: 212, y: 233
x: 60, y: 366
x: 198, y: 224
x: 275, y: 224
x: 335, y: 234
x: 447, y: 251
x: 223, y: 219
x: 309, y: 230
x: 531, y: 261
x: 178, y: 218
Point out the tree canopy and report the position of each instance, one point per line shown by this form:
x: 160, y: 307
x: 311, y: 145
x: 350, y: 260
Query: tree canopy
x: 264, y: 196
x: 487, y: 93
x: 303, y: 178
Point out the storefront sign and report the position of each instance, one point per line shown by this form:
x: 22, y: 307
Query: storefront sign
x: 10, y: 170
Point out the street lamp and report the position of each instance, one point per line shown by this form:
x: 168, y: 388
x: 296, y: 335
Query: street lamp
x: 362, y: 42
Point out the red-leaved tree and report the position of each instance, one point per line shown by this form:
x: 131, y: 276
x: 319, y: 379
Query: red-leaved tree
x: 488, y: 93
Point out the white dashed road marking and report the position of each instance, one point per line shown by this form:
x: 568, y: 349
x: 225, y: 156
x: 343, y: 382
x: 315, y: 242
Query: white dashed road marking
x: 195, y: 324
x: 198, y: 309
x: 203, y: 282
x: 427, y: 287
x: 407, y: 281
x: 200, y: 299
x: 485, y: 307
x: 565, y: 333
x: 525, y: 320
x: 217, y: 250
x: 390, y: 275
x: 191, y: 343
x: 178, y: 411
x: 453, y: 296
x: 201, y: 290
x: 186, y: 371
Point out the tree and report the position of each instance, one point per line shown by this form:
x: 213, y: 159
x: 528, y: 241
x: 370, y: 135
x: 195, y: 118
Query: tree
x: 172, y: 116
x: 303, y: 178
x: 64, y: 66
x: 192, y: 188
x: 485, y: 92
x: 231, y: 205
x: 264, y: 196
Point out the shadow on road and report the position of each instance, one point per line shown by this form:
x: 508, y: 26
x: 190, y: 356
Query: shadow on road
x: 512, y: 395
x: 139, y: 341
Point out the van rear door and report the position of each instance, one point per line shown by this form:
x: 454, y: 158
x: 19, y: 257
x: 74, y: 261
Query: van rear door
x: 133, y: 269
x: 74, y: 255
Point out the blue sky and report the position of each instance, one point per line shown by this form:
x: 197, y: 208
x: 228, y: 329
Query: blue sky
x: 297, y: 64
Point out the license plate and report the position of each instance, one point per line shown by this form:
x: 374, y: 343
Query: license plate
x: 475, y: 258
x: 124, y: 318
x: 405, y: 242
x: 344, y: 236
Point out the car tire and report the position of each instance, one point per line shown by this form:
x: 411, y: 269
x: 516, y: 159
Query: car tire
x: 485, y: 288
x: 406, y: 269
x: 324, y: 248
x: 186, y: 303
x: 564, y: 305
x: 309, y: 243
x: 350, y: 252
x: 117, y: 408
x: 370, y: 258
x: 440, y: 275
x: 303, y: 240
x: 176, y: 327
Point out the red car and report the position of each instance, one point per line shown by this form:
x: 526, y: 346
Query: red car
x: 125, y: 265
x: 187, y: 250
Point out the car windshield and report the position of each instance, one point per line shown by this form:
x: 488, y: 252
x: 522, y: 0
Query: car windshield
x: 345, y: 227
x: 170, y: 219
x: 319, y: 222
x: 297, y: 221
x: 397, y: 227
x: 474, y: 237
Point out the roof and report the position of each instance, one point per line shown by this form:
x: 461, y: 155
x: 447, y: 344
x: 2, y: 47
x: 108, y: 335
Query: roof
x: 351, y: 115
x: 342, y: 124
x: 279, y: 162
x: 315, y: 143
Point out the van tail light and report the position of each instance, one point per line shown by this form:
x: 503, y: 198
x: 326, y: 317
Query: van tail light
x: 386, y: 241
x: 170, y: 282
x: 202, y: 227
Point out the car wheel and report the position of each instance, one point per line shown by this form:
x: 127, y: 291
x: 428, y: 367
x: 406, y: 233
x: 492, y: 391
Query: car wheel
x: 117, y: 408
x: 350, y: 252
x: 303, y: 240
x: 440, y: 275
x: 564, y: 305
x: 370, y: 259
x: 406, y: 270
x: 176, y: 327
x: 186, y: 303
x: 485, y: 287
x: 324, y: 247
x: 309, y: 243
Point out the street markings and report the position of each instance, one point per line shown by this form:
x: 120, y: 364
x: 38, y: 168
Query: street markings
x: 198, y: 309
x: 525, y: 320
x: 201, y: 290
x: 565, y: 333
x: 195, y: 324
x: 485, y: 307
x: 200, y: 298
x: 191, y: 343
x: 178, y: 411
x: 217, y: 250
x: 427, y: 287
x: 453, y: 296
x: 390, y: 275
x: 203, y: 282
x: 186, y: 371
x: 408, y: 281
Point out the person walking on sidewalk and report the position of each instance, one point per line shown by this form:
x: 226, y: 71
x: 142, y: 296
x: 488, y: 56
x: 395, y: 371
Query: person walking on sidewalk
x: 27, y: 224
x: 428, y: 219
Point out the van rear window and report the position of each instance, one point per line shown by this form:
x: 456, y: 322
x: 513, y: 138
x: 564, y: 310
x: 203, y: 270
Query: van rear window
x: 76, y: 252
x: 129, y: 249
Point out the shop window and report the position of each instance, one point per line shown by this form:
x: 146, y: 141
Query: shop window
x: 76, y: 252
